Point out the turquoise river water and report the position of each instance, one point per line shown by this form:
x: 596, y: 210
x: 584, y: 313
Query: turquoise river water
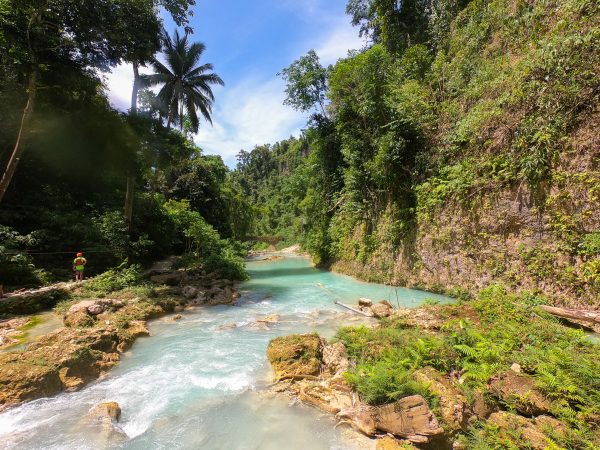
x: 198, y: 383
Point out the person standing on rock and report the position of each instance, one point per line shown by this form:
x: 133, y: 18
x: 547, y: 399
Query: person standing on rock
x: 78, y: 265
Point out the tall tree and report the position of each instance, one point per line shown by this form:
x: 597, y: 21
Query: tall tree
x: 306, y: 83
x: 43, y: 36
x: 186, y: 85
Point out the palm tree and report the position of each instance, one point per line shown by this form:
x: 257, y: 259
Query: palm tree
x: 186, y: 86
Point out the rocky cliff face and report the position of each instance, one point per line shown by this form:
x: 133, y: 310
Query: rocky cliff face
x: 527, y: 240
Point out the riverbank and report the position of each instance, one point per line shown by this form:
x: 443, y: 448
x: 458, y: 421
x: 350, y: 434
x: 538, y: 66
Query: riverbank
x: 102, y: 318
x: 496, y: 372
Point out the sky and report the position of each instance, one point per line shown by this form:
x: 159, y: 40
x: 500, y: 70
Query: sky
x: 249, y: 43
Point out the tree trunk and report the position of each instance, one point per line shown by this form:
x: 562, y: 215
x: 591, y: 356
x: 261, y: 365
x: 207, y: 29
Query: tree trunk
x: 15, y: 157
x: 136, y: 87
x: 129, y: 200
x: 585, y: 316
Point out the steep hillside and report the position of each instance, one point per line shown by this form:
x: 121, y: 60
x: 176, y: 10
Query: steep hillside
x: 463, y: 154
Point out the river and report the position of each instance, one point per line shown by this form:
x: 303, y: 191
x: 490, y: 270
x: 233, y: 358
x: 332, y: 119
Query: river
x: 197, y: 383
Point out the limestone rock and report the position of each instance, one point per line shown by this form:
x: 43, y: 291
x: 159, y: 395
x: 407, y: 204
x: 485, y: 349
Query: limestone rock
x: 389, y: 443
x: 79, y: 319
x: 296, y: 356
x: 95, y: 309
x: 365, y: 302
x: 271, y: 318
x: 177, y: 317
x: 427, y: 318
x: 80, y: 306
x: 409, y: 417
x: 62, y: 360
x: 106, y: 416
x: 516, y: 429
x: 381, y: 310
x: 520, y: 392
x: 335, y: 358
x: 455, y: 410
x: 110, y: 411
x: 324, y: 397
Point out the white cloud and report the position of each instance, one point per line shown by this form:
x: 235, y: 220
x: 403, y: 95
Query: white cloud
x: 341, y: 38
x: 249, y: 114
x: 119, y: 83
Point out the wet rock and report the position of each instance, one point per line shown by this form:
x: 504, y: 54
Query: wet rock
x: 110, y: 411
x: 335, y: 358
x: 381, y: 310
x: 519, y: 391
x: 189, y: 292
x: 296, y: 356
x: 455, y: 410
x: 177, y: 317
x: 365, y: 302
x: 409, y: 417
x: 271, y: 318
x: 106, y: 416
x: 137, y: 328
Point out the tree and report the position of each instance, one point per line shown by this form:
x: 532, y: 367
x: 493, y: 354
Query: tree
x: 186, y: 86
x: 306, y: 81
x: 43, y: 36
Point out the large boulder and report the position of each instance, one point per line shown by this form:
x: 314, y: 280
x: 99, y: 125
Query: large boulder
x: 335, y: 358
x: 296, y: 356
x: 324, y: 396
x: 365, y: 302
x: 454, y: 407
x: 189, y: 292
x: 381, y: 310
x: 519, y: 392
x: 409, y: 417
x: 106, y: 416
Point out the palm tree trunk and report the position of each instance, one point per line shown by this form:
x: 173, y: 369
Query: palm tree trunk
x: 136, y: 87
x: 130, y: 191
x: 15, y: 157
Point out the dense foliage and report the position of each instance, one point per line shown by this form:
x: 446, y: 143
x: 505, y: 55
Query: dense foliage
x: 477, y: 342
x: 79, y: 156
x: 463, y: 125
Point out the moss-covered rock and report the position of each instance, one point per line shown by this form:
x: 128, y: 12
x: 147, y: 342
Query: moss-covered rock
x: 296, y: 356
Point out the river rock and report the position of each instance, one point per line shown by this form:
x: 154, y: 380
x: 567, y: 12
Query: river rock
x: 335, y: 358
x: 107, y: 416
x: 365, y: 302
x: 296, y: 356
x: 409, y: 417
x: 455, y: 410
x: 381, y: 310
x: 271, y: 318
x: 519, y: 391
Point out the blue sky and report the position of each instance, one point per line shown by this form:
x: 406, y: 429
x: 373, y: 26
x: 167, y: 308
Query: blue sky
x: 248, y: 43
